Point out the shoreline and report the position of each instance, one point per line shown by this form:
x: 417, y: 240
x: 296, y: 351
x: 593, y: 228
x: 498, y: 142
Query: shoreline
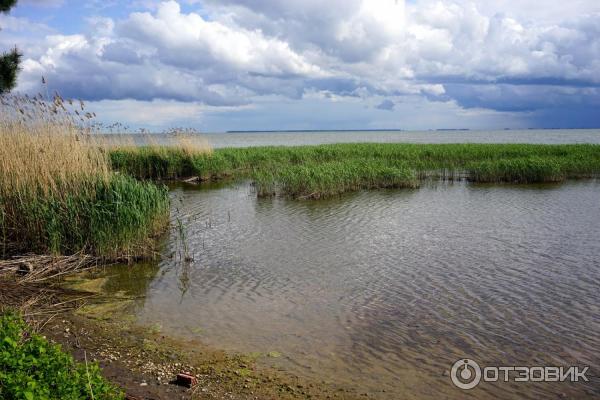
x: 144, y: 362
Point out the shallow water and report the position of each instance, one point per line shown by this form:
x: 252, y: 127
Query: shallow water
x: 248, y: 139
x: 382, y: 291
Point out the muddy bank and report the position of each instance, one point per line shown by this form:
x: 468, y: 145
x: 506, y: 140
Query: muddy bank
x: 143, y: 361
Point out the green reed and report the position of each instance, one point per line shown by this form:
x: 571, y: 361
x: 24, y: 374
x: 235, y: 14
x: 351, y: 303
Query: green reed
x: 325, y: 170
x: 58, y: 193
x: 108, y: 218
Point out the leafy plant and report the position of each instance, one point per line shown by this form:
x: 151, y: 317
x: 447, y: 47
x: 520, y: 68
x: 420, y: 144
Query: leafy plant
x: 31, y: 368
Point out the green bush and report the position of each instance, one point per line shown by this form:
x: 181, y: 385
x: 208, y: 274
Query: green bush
x: 33, y: 369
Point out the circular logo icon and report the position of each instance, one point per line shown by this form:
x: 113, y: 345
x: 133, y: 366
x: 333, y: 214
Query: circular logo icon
x: 465, y: 374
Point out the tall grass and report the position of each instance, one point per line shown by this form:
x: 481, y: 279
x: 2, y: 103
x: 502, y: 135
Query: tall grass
x: 331, y: 178
x: 146, y: 158
x: 47, y: 157
x: 325, y: 170
x: 58, y: 193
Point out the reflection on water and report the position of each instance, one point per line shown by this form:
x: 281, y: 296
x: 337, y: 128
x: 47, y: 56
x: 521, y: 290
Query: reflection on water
x: 382, y: 291
x: 128, y: 281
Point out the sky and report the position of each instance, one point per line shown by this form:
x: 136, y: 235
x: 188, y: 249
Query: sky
x: 217, y: 65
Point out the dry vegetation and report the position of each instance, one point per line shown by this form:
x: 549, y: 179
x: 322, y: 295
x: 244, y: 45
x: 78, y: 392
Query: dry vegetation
x: 187, y: 141
x: 57, y: 191
x: 47, y: 157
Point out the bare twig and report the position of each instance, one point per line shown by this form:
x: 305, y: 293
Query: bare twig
x: 39, y: 268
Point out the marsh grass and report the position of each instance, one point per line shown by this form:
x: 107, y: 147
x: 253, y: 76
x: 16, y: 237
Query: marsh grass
x: 58, y: 193
x: 326, y: 170
x: 520, y: 170
x: 150, y: 159
x: 332, y: 178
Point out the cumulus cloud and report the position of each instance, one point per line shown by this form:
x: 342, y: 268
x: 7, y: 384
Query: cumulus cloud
x: 427, y: 46
x: 504, y: 56
x: 429, y: 38
x: 165, y: 55
x: 189, y: 41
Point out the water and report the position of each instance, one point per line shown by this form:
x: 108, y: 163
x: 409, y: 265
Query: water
x: 381, y: 291
x: 247, y: 139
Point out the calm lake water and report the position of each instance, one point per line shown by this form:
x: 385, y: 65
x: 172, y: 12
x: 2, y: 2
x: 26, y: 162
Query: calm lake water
x: 382, y: 291
x: 247, y: 139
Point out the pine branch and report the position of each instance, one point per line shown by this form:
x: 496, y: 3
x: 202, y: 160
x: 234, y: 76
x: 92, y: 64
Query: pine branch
x: 9, y: 67
x: 6, y: 5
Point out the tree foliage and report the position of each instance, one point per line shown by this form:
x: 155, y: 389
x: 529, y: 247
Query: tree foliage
x: 6, y: 5
x: 9, y: 66
x: 9, y: 62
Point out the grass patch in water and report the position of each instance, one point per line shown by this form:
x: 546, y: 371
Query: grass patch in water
x: 520, y: 170
x: 325, y: 170
x: 314, y: 180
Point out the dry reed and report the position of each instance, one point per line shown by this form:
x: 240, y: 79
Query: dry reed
x: 57, y: 191
x: 42, y: 146
x: 188, y: 142
x: 40, y: 268
x: 46, y: 157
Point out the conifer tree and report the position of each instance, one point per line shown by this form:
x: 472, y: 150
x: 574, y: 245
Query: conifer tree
x: 9, y: 61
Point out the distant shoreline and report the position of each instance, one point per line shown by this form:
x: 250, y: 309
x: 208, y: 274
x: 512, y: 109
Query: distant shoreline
x: 317, y: 130
x: 405, y: 130
x: 343, y: 130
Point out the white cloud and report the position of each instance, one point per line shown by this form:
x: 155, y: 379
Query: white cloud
x: 190, y: 41
x: 235, y: 52
x: 166, y: 55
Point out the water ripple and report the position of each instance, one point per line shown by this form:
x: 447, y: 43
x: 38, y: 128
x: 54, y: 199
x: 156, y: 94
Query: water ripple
x: 386, y: 289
